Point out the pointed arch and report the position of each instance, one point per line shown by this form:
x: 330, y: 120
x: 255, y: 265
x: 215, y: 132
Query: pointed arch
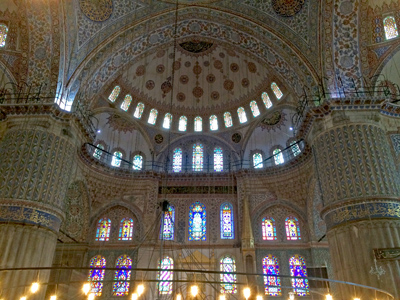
x: 115, y: 93
x: 268, y: 229
x: 292, y: 229
x: 227, y: 224
x: 103, y: 230
x: 267, y: 101
x: 197, y: 222
x: 125, y: 230
x: 197, y: 159
x: 218, y: 159
x: 272, y: 282
x: 166, y: 274
x: 167, y: 230
x: 122, y: 276
x: 298, y: 268
x: 213, y: 123
x: 96, y: 274
x: 126, y: 103
x: 228, y: 281
x: 139, y: 110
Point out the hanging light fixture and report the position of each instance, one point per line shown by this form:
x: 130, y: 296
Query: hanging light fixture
x: 259, y: 297
x: 22, y: 298
x: 194, y: 290
x: 178, y: 297
x: 247, y: 292
x: 328, y: 297
x: 86, y: 288
x: 134, y: 296
x: 91, y: 296
x: 140, y: 289
x: 222, y: 297
x: 34, y: 287
x: 291, y: 296
x: 54, y: 297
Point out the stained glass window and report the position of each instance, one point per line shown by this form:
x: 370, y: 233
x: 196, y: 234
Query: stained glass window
x: 3, y: 34
x: 166, y: 273
x: 254, y: 108
x: 227, y: 225
x: 268, y: 229
x: 122, y: 276
x: 116, y: 159
x: 182, y: 123
x: 96, y: 275
x: 169, y: 222
x: 227, y: 264
x: 152, y: 116
x: 278, y: 157
x: 218, y: 160
x: 198, y: 124
x: 139, y: 110
x: 197, y: 157
x: 298, y: 269
x: 114, y: 94
x: 272, y: 283
x: 266, y: 100
x: 277, y: 91
x: 295, y: 148
x: 390, y: 26
x: 213, y: 122
x: 126, y: 230
x: 197, y: 222
x: 228, y: 119
x: 242, y: 115
x: 177, y: 160
x: 137, y: 162
x: 292, y: 229
x: 127, y: 101
x: 167, y: 121
x: 103, y: 230
x: 98, y: 152
x: 258, y: 161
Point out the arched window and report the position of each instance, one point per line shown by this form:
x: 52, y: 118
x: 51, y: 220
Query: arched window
x: 166, y: 275
x: 127, y: 101
x: 116, y: 159
x: 228, y: 119
x: 137, y: 162
x: 298, y: 269
x: 168, y: 224
x: 266, y: 100
x: 242, y: 115
x: 272, y: 283
x: 197, y: 160
x: 258, y: 161
x: 391, y: 32
x: 177, y: 160
x: 114, y: 94
x: 96, y: 275
x: 254, y: 108
x: 295, y: 148
x: 197, y: 222
x: 228, y: 281
x: 122, y: 276
x: 218, y: 160
x: 292, y: 229
x: 268, y: 229
x: 139, y: 110
x: 278, y: 157
x: 126, y: 230
x: 227, y: 225
x: 98, y: 152
x: 213, y: 122
x: 198, y: 124
x: 182, y: 123
x: 3, y: 34
x: 152, y: 116
x: 277, y: 91
x: 103, y: 230
x: 167, y: 121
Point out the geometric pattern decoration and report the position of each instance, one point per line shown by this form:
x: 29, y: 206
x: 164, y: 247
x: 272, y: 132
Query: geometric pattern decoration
x: 292, y: 229
x: 218, y: 160
x: 227, y: 225
x: 98, y: 11
x: 298, y: 269
x: 96, y: 275
x: 164, y: 275
x: 272, y: 282
x: 197, y: 222
x: 103, y: 230
x: 287, y: 8
x: 228, y: 286
x: 122, y: 276
x: 126, y: 230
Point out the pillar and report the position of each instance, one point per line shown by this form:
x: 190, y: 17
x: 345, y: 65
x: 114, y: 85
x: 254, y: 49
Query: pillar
x: 248, y: 249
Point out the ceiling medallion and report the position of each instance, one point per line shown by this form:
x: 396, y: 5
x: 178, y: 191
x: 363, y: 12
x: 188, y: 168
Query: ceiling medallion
x: 118, y: 123
x: 273, y: 121
x: 236, y: 137
x: 287, y: 8
x: 97, y: 10
x: 159, y: 138
x: 197, y: 47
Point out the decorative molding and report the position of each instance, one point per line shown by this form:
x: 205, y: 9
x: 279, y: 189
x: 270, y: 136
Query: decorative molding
x: 387, y: 254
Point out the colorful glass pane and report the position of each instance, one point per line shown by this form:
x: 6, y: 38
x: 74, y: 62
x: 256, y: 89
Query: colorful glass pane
x: 114, y: 94
x: 277, y: 91
x: 137, y: 162
x: 126, y: 230
x: 153, y: 116
x: 254, y: 108
x: 298, y: 269
x: 295, y: 148
x: 98, y: 152
x: 127, y: 101
x: 218, y: 160
x: 182, y: 123
x: 122, y: 276
x: 198, y: 124
x: 227, y: 225
x: 228, y: 119
x: 168, y: 224
x: 266, y: 100
x: 258, y: 161
x: 272, y: 282
x: 177, y: 160
x: 116, y: 159
x: 268, y: 229
x: 96, y: 275
x: 213, y: 122
x: 242, y: 115
x: 167, y: 121
x: 227, y: 264
x: 139, y: 110
x: 292, y: 229
x: 166, y: 273
x: 103, y: 230
x: 390, y: 26
x: 278, y: 157
x: 197, y: 157
x: 197, y: 222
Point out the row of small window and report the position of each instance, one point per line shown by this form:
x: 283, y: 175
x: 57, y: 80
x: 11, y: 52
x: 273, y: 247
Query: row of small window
x: 198, y: 121
x: 258, y: 160
x: 270, y: 265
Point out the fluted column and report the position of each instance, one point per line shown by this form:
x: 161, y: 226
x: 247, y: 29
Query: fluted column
x: 360, y: 188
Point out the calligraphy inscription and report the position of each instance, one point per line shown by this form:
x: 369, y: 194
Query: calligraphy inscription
x: 389, y: 253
